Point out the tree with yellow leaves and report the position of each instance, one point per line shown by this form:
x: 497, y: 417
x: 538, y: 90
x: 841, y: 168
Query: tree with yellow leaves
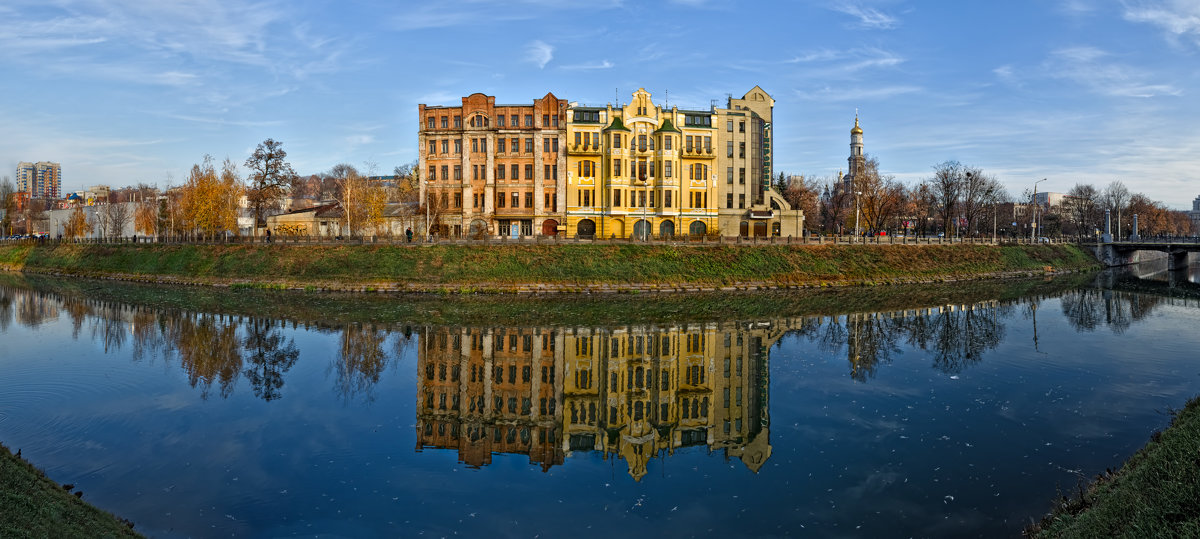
x: 77, y: 224
x: 210, y: 200
x: 145, y: 217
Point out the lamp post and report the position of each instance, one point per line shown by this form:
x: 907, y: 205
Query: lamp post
x: 1033, y: 228
x: 645, y: 224
x: 856, y: 229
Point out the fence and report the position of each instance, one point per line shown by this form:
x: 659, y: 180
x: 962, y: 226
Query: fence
x: 546, y: 240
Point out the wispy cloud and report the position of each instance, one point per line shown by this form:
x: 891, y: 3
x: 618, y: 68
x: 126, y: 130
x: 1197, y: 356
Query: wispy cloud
x: 1180, y: 19
x: 868, y: 17
x: 603, y: 64
x: 539, y: 52
x: 840, y: 94
x: 1092, y: 68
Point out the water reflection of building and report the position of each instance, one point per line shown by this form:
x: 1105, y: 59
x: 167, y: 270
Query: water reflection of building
x: 632, y: 393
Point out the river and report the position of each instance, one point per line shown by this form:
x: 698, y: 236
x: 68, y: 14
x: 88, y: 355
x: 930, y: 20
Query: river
x: 950, y: 411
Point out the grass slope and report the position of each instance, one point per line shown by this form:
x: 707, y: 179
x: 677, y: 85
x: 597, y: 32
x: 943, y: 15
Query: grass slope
x: 1155, y: 494
x: 31, y: 505
x: 582, y: 264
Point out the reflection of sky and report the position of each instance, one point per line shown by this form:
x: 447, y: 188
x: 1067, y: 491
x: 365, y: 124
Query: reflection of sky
x: 911, y: 450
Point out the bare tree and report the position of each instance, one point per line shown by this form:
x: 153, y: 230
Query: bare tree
x: 270, y: 177
x: 7, y: 205
x: 980, y: 193
x: 804, y: 194
x: 1116, y: 199
x: 946, y: 187
x: 1084, y: 204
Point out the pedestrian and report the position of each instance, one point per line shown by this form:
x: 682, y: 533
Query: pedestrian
x: 408, y: 235
x: 268, y: 235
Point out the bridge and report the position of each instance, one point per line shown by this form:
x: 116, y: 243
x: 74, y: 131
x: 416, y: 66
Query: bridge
x: 1121, y: 253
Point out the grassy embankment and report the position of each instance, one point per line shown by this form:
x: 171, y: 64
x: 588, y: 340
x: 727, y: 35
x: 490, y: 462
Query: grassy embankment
x: 1155, y: 494
x: 31, y: 505
x: 553, y: 267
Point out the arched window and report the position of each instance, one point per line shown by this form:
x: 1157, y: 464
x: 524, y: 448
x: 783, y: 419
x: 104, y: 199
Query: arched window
x: 697, y: 228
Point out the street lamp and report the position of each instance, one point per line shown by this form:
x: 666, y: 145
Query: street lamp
x: 645, y: 224
x: 1033, y: 229
x: 856, y: 232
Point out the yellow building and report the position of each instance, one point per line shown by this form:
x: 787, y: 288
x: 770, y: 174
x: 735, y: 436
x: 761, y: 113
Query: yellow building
x: 640, y: 171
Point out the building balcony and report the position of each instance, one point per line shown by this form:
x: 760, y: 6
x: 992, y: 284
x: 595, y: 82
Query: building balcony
x: 698, y: 153
x: 584, y: 149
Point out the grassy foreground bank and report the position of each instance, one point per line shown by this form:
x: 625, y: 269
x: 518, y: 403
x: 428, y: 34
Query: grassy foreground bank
x: 1155, y: 494
x: 575, y: 267
x: 31, y: 505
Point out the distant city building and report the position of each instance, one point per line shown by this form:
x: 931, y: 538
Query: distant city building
x: 41, y: 180
x: 1048, y: 200
x: 1194, y: 215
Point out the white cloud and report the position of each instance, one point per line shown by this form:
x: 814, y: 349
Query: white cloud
x: 868, y: 17
x: 539, y: 52
x: 1091, y: 68
x: 603, y: 64
x: 1178, y: 18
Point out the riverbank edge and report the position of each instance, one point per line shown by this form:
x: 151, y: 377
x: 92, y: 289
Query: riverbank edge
x: 871, y: 276
x: 1154, y: 493
x: 33, y: 505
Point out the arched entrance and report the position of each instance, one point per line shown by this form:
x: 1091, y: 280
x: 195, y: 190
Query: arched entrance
x: 478, y: 229
x: 641, y: 229
x: 744, y: 228
x: 697, y: 228
x: 666, y: 229
x: 586, y: 228
x: 549, y: 227
x: 760, y: 229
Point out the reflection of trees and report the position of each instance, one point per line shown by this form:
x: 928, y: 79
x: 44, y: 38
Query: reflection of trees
x: 6, y: 309
x: 870, y: 340
x: 361, y: 360
x: 209, y: 351
x: 1087, y: 309
x: 33, y: 309
x: 269, y: 357
x: 964, y: 336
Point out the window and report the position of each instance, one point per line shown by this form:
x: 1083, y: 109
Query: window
x: 616, y: 167
x: 697, y: 120
x: 445, y: 200
x: 432, y: 147
x: 516, y: 200
x: 458, y: 172
x: 475, y: 200
x: 446, y: 146
x: 577, y: 135
x: 742, y: 126
x: 729, y: 149
x: 729, y: 200
x: 729, y: 126
x: 445, y: 172
x: 641, y: 199
x: 432, y: 172
x: 729, y: 178
x: 528, y: 172
x: 667, y: 169
x: 687, y: 144
x: 708, y: 144
x: 651, y: 143
x: 500, y: 144
x: 667, y: 142
x: 742, y: 149
x: 546, y: 172
x: 474, y: 172
x: 529, y: 145
x: 548, y: 204
x: 667, y: 198
x: 641, y: 170
x: 457, y: 145
x: 596, y: 140
x: 616, y: 140
x: 429, y: 123
x: 554, y: 172
x: 500, y: 121
x: 483, y: 145
x: 529, y: 199
x: 458, y: 200
x: 555, y: 145
x: 652, y: 169
x: 528, y: 120
x: 616, y: 197
x: 742, y: 201
x: 587, y: 116
x: 742, y: 175
x: 516, y: 171
x: 516, y: 145
x: 499, y: 172
x: 500, y: 202
x: 458, y: 122
x: 554, y: 120
x: 545, y: 120
x: 474, y: 145
x: 445, y: 122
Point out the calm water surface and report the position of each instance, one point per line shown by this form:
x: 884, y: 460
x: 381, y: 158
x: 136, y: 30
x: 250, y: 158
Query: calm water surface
x: 937, y: 420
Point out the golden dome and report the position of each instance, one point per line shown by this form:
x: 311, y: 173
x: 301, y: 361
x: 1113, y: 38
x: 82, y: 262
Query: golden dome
x: 857, y: 130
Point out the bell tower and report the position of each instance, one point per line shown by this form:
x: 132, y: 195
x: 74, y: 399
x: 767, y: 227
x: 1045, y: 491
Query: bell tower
x: 857, y: 160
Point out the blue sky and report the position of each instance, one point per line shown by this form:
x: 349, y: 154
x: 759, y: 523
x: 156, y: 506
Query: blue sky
x: 122, y: 92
